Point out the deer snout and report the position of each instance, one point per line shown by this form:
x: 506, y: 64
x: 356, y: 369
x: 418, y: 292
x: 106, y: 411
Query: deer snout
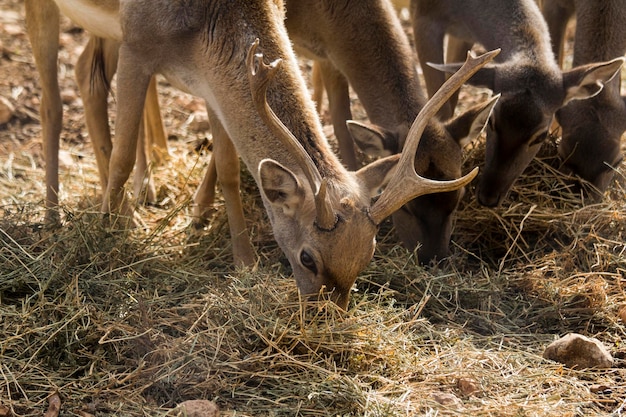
x: 488, y: 198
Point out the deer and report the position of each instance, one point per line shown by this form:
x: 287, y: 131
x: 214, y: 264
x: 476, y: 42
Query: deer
x: 591, y: 130
x: 384, y: 76
x: 323, y: 217
x: 526, y: 74
x: 376, y: 59
x: 94, y: 71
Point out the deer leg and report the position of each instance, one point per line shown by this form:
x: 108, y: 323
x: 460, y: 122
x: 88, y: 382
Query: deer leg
x: 429, y: 44
x: 43, y: 31
x: 132, y: 84
x: 339, y: 105
x: 226, y: 166
x: 94, y: 71
x: 318, y: 86
x: 154, y: 129
x: 557, y: 15
x: 456, y: 51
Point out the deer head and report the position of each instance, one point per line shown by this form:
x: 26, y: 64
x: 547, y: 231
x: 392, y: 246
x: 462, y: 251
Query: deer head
x: 325, y: 225
x: 530, y: 96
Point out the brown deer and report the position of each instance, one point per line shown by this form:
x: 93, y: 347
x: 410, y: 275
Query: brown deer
x: 591, y: 129
x: 94, y: 70
x: 526, y: 74
x: 362, y: 44
x: 322, y: 215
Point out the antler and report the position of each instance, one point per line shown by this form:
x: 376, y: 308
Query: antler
x: 405, y: 184
x: 259, y: 76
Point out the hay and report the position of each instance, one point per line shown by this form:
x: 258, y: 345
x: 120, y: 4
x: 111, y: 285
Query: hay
x: 133, y: 322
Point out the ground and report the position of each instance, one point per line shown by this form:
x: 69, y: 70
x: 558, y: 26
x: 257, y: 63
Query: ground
x: 133, y: 322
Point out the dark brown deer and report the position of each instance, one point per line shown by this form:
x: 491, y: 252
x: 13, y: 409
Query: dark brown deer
x: 591, y: 129
x: 526, y: 74
x: 322, y: 215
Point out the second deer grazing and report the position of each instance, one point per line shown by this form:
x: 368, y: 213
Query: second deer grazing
x: 526, y: 74
x: 322, y: 215
x: 591, y: 129
x: 362, y: 44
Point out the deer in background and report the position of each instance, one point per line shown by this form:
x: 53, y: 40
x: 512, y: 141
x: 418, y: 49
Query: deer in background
x: 591, y: 129
x: 322, y: 215
x: 94, y: 70
x: 362, y: 44
x: 526, y: 74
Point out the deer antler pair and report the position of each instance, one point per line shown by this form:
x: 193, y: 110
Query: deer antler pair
x: 405, y: 184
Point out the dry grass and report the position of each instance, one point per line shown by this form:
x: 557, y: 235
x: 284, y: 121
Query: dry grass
x: 133, y: 322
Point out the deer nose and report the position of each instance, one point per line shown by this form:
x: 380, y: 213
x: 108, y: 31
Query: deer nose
x: 488, y: 199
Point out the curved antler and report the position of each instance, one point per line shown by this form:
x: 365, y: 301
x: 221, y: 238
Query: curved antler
x: 259, y: 76
x: 405, y: 184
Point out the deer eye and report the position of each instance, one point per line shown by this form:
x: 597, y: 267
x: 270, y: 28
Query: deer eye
x: 308, y: 262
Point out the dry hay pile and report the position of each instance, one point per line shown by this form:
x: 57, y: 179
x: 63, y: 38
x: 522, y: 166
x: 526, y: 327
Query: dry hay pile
x: 133, y: 322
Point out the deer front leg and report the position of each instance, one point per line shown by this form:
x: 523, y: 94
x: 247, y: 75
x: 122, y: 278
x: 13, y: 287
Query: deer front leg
x: 339, y: 105
x: 132, y: 84
x: 228, y: 174
x: 557, y: 15
x: 43, y: 31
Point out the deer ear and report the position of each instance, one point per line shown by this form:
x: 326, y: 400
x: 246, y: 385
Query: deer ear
x: 469, y: 125
x: 586, y: 81
x: 377, y: 174
x: 373, y: 140
x: 281, y: 187
x: 485, y: 77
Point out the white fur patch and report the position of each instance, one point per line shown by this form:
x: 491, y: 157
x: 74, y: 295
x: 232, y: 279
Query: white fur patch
x: 97, y: 20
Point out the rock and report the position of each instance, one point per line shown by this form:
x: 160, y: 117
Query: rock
x: 196, y: 408
x: 6, y: 110
x: 467, y: 386
x: 579, y: 352
x: 447, y: 398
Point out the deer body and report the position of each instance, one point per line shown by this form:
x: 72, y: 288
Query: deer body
x: 362, y: 44
x: 533, y: 87
x: 321, y: 214
x: 591, y: 129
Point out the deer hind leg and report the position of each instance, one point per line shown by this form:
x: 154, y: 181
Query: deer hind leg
x: 43, y: 25
x: 337, y: 89
x: 132, y: 84
x: 224, y: 167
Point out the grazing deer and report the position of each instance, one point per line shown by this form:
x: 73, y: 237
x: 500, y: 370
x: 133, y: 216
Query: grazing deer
x: 94, y: 70
x: 591, y: 129
x: 362, y: 44
x: 322, y: 215
x: 526, y: 74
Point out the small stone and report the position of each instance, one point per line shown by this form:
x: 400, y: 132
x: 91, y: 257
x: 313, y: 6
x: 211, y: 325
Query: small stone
x: 579, y: 352
x: 467, y: 386
x: 197, y: 408
x: 447, y: 398
x: 199, y: 122
x: 6, y: 110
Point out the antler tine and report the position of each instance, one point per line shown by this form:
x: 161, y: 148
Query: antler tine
x: 259, y: 75
x: 405, y: 184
